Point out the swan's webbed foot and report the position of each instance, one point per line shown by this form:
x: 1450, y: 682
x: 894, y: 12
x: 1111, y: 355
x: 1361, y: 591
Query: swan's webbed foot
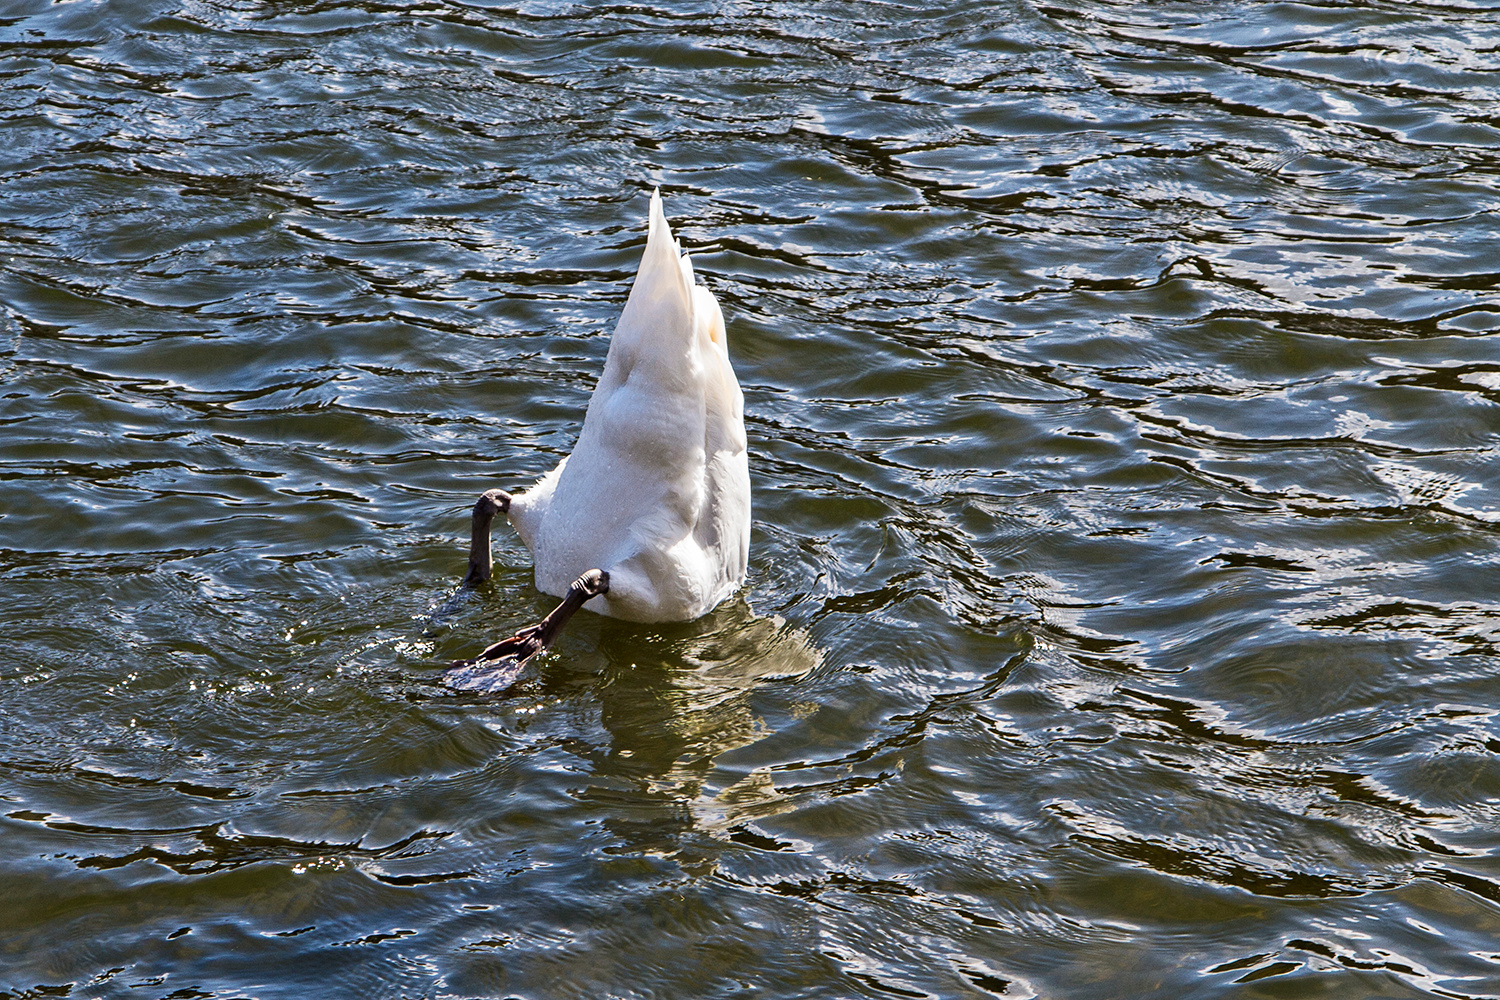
x: 499, y: 665
x: 490, y: 503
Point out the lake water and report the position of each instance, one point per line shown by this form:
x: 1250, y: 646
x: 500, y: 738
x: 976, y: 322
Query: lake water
x: 1123, y: 392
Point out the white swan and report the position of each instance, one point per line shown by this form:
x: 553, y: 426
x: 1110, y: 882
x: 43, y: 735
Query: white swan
x: 651, y: 511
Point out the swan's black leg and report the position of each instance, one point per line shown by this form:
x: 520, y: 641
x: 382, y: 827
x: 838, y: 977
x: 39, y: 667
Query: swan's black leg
x: 480, y: 565
x: 498, y: 666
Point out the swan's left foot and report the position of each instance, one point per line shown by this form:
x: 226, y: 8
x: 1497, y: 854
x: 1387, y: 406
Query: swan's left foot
x: 499, y: 665
x: 490, y: 503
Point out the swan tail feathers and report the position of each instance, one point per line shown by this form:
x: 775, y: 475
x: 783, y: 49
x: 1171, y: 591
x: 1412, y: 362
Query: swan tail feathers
x: 662, y: 295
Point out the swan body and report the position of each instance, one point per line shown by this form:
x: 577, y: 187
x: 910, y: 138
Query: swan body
x: 657, y: 490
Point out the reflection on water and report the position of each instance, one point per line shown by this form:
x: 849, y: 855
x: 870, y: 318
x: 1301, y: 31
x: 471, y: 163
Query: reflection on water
x: 1121, y: 385
x: 676, y: 700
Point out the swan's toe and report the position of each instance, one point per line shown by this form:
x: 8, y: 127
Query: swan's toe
x: 593, y: 583
x: 484, y: 676
x: 492, y: 502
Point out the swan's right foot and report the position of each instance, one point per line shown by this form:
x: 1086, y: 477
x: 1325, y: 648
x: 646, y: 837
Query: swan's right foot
x: 499, y: 665
x: 492, y: 502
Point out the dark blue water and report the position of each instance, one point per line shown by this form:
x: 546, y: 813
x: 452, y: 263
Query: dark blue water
x: 1123, y: 394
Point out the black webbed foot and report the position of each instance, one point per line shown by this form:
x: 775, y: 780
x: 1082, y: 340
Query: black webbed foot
x: 500, y: 664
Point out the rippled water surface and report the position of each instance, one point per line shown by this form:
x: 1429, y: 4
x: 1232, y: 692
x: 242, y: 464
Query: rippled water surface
x: 1123, y: 393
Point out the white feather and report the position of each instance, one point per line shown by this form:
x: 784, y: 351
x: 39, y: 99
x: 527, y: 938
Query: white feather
x: 657, y: 490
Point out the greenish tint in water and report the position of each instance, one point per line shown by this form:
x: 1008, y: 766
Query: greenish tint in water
x: 1123, y: 398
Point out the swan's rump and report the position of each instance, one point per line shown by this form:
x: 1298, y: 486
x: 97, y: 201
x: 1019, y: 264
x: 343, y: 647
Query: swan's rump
x: 657, y: 490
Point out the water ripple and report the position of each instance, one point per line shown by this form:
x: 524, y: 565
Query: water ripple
x: 1121, y: 394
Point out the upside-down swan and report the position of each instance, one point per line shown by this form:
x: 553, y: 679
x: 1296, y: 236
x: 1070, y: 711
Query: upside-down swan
x: 649, y: 517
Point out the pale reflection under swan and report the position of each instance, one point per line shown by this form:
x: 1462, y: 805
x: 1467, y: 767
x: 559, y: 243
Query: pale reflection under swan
x: 677, y: 701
